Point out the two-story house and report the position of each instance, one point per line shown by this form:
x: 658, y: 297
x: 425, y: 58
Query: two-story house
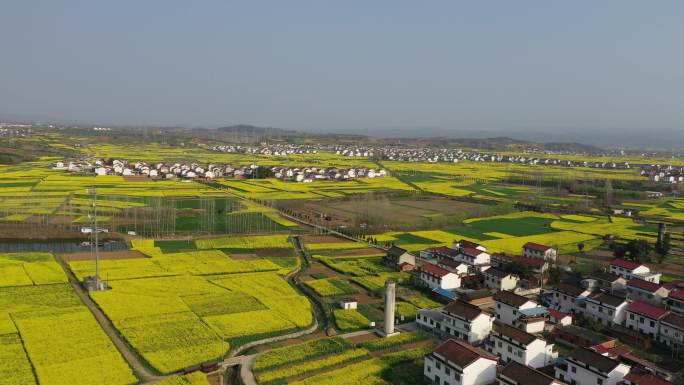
x: 512, y: 344
x: 566, y: 297
x: 466, y: 322
x: 536, y: 250
x: 458, y: 363
x: 587, y: 367
x: 630, y: 269
x: 644, y: 318
x: 653, y: 293
x: 605, y: 308
x: 507, y: 306
x: 498, y: 279
x: 518, y: 374
x: 433, y: 276
x: 675, y: 301
x: 474, y: 257
x: 671, y: 332
x: 609, y: 282
x: 396, y: 257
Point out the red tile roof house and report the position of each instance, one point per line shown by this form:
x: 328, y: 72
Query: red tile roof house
x: 536, y: 265
x: 474, y: 257
x: 445, y: 252
x: 653, y: 293
x: 456, y: 362
x: 671, y: 332
x: 642, y: 378
x: 587, y: 367
x: 644, y: 318
x: 559, y: 318
x: 433, y: 276
x: 630, y: 269
x: 536, y: 250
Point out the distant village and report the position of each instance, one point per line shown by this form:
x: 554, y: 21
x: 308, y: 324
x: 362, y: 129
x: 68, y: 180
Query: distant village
x: 189, y: 171
x: 497, y: 323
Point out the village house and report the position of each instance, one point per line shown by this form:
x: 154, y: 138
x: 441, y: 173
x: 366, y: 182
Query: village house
x: 512, y: 344
x: 605, y: 308
x: 457, y: 363
x: 462, y: 244
x: 559, y: 318
x: 498, y: 279
x: 445, y: 253
x: 535, y: 265
x: 675, y: 301
x: 433, y: 276
x: 532, y: 320
x: 587, y: 367
x: 566, y: 297
x: 653, y: 293
x: 630, y: 269
x: 453, y: 266
x: 535, y: 250
x: 671, y: 331
x: 465, y: 322
x: 396, y: 257
x: 518, y: 374
x: 644, y: 318
x: 473, y: 257
x: 609, y: 282
x: 507, y: 306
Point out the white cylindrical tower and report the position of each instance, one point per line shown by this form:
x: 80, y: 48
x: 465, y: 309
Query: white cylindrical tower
x: 390, y: 289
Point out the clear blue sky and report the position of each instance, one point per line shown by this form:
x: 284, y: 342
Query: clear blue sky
x: 346, y: 64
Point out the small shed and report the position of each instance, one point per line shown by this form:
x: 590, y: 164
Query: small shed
x: 349, y: 304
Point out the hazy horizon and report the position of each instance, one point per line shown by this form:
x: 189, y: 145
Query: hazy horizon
x: 495, y: 66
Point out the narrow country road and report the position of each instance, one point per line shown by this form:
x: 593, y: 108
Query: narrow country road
x: 130, y: 357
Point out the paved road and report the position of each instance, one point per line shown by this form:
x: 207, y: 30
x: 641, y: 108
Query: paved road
x: 125, y: 351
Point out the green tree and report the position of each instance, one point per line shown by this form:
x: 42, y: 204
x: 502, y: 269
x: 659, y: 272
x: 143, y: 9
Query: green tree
x: 638, y: 250
x: 663, y: 248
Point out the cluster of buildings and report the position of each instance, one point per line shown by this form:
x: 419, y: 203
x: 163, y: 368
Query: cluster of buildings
x: 664, y: 173
x: 496, y: 330
x: 267, y: 149
x: 212, y: 171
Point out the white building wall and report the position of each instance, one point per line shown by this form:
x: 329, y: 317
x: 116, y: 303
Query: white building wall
x: 607, y: 315
x: 480, y: 372
x: 508, y: 314
x: 642, y: 324
x: 582, y: 376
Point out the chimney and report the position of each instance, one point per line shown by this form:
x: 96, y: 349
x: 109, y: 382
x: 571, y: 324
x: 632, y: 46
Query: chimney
x: 390, y: 289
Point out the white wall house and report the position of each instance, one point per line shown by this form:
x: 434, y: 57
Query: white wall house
x: 587, y: 367
x: 518, y: 374
x: 457, y: 363
x: 433, y: 276
x: 675, y: 301
x: 512, y: 344
x: 460, y: 244
x: 473, y: 257
x: 605, y: 308
x: 630, y: 269
x: 644, y: 318
x: 653, y: 293
x: 535, y: 250
x: 671, y: 332
x: 498, y: 279
x: 566, y: 297
x: 466, y: 322
x: 507, y: 306
x: 559, y: 318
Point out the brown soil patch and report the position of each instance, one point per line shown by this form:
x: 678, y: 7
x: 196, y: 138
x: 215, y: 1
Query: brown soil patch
x: 324, y: 239
x: 319, y: 268
x: 61, y: 220
x: 363, y: 298
x: 244, y: 256
x: 266, y: 253
x: 214, y: 379
x: 363, y: 338
x: 104, y: 255
x: 357, y: 252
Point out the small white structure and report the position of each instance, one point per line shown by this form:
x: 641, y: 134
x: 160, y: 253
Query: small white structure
x: 584, y: 366
x: 348, y: 304
x: 512, y: 344
x: 559, y: 318
x: 457, y: 363
x: 433, y: 276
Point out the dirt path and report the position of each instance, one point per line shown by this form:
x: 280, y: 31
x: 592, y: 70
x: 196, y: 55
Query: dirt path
x: 130, y: 357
